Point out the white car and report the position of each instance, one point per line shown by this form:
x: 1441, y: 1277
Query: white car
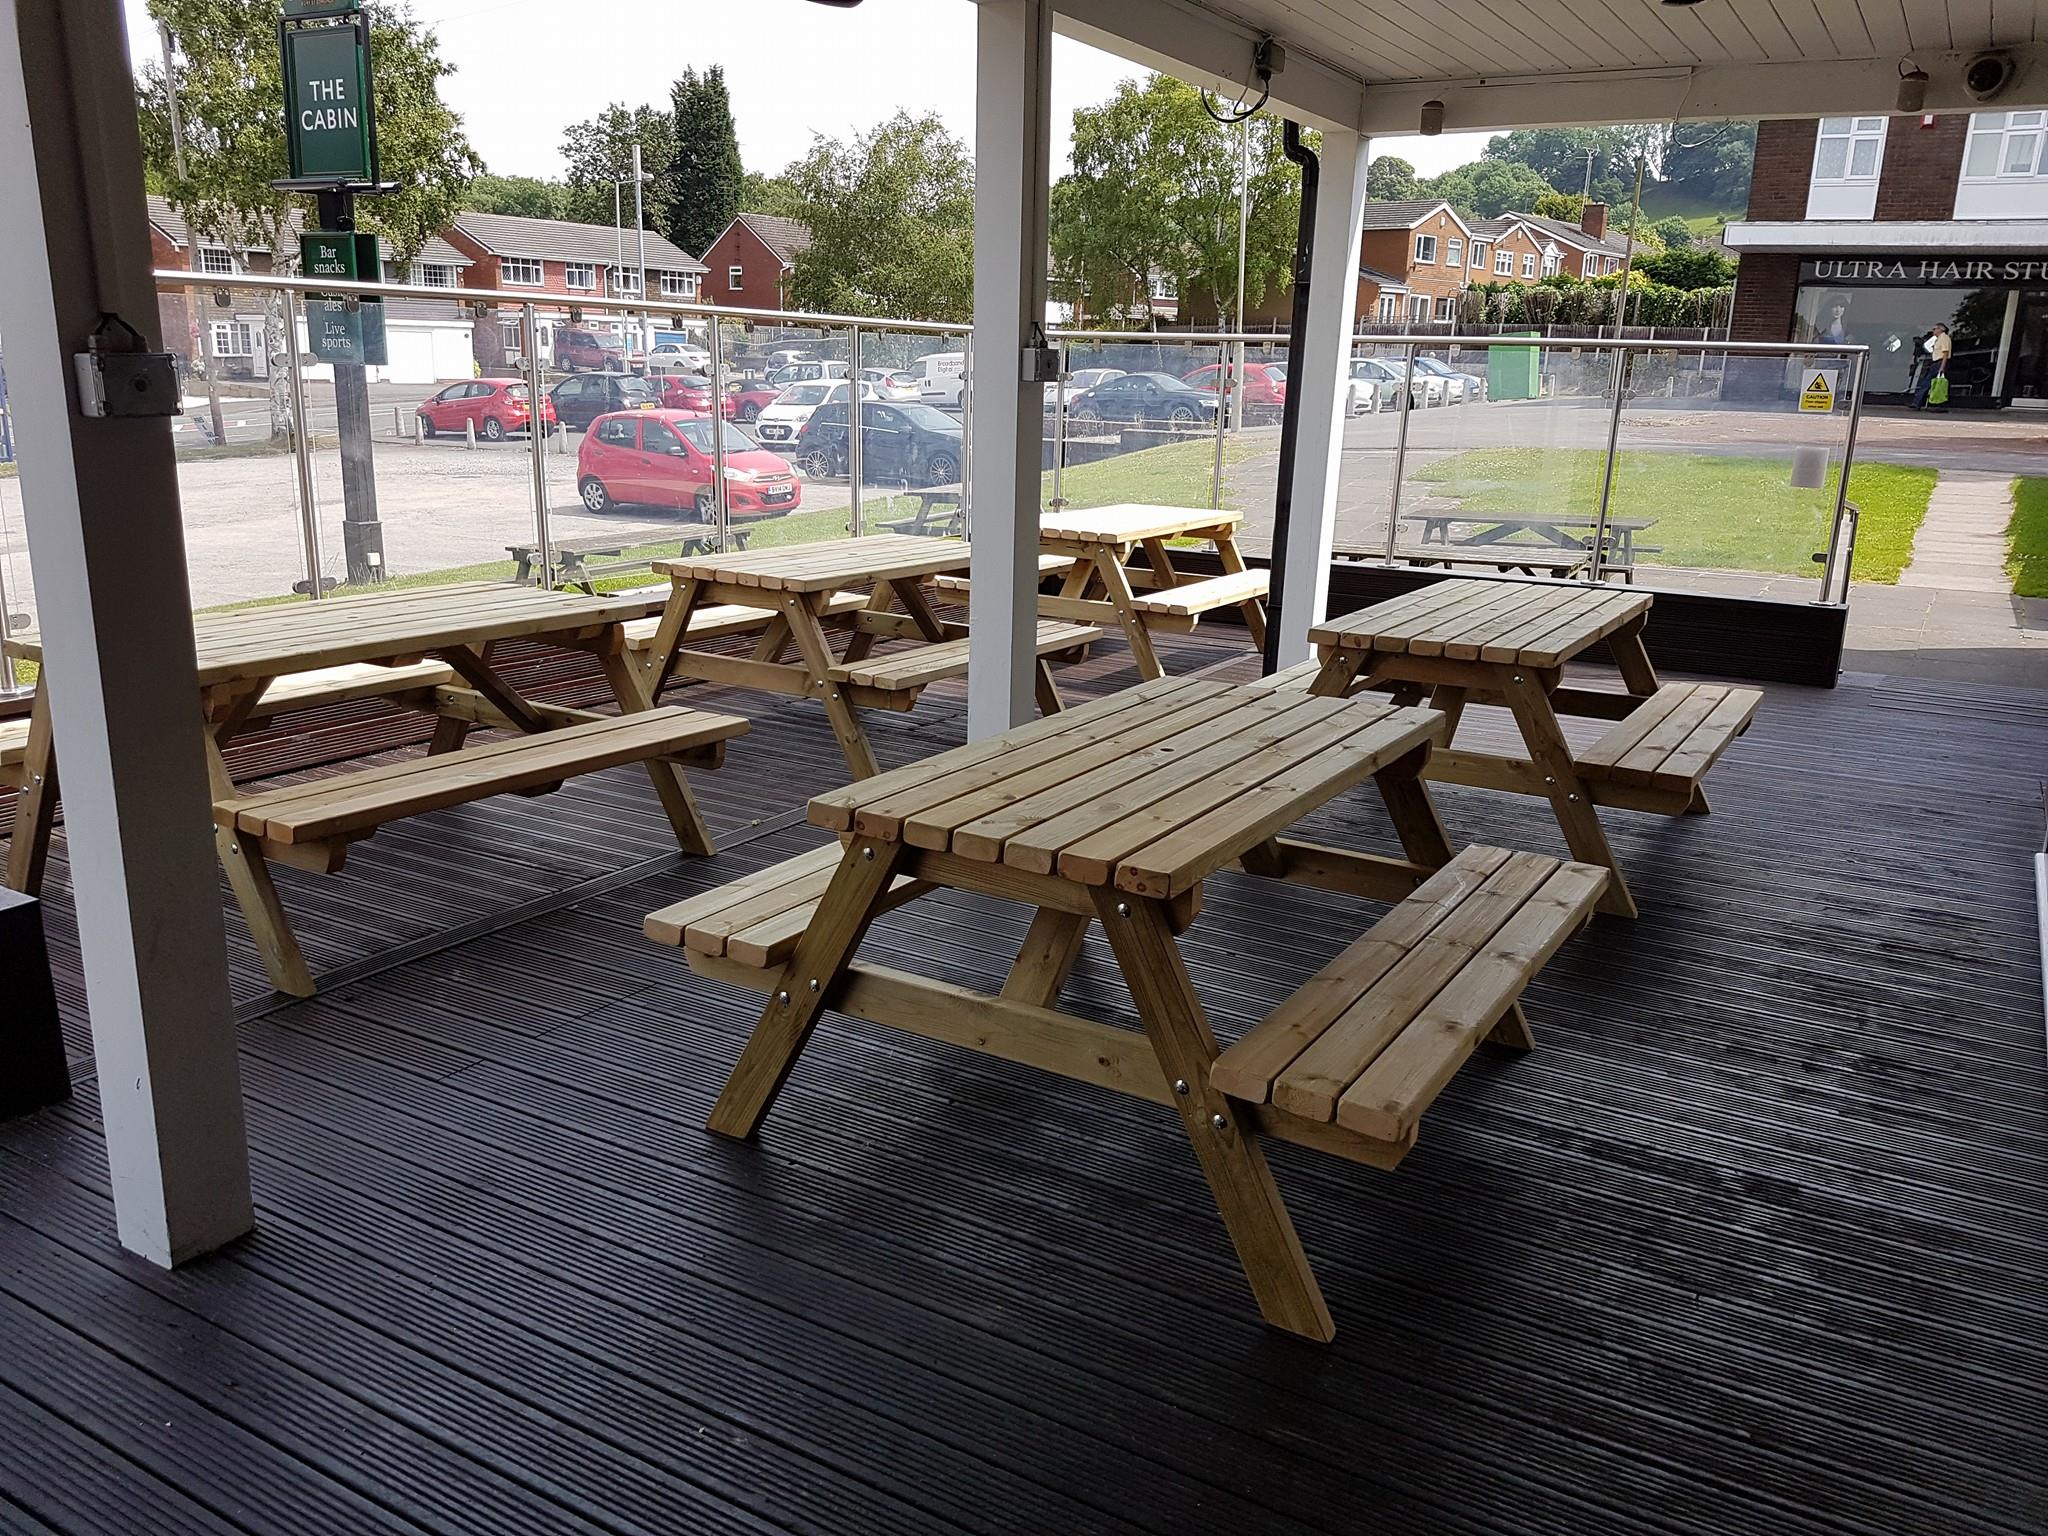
x: 781, y: 422
x: 893, y: 384
x: 1083, y: 379
x: 678, y: 357
x: 804, y: 372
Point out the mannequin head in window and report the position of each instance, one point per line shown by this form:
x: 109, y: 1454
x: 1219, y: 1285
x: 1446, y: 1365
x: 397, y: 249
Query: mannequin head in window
x: 1834, y: 318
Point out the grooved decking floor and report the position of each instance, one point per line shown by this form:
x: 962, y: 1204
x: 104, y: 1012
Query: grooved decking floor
x: 1754, y: 1243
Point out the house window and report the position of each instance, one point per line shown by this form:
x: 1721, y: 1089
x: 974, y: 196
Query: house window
x: 1610, y: 264
x: 433, y: 274
x: 1552, y: 263
x: 520, y: 271
x: 1454, y: 252
x: 1425, y: 249
x: 678, y: 285
x: 579, y: 275
x: 1160, y: 288
x: 1503, y: 263
x: 625, y: 283
x: 2004, y: 144
x: 1529, y: 264
x: 1589, y: 264
x: 1418, y: 308
x: 1849, y: 149
x: 1478, y: 255
x: 217, y: 259
x: 735, y: 277
x: 1447, y: 308
x: 234, y: 338
x: 1390, y: 307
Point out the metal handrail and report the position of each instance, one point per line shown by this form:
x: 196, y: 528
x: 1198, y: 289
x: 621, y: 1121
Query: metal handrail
x: 1546, y: 343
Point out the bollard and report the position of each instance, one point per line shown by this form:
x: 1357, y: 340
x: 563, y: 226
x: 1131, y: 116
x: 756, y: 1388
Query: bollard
x: 418, y: 429
x: 469, y: 432
x: 397, y: 422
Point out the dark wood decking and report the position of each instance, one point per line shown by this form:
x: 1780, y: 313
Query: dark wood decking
x: 1754, y: 1243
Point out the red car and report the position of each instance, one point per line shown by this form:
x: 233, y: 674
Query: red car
x: 692, y: 392
x: 752, y: 397
x: 496, y: 406
x: 1264, y: 390
x: 663, y: 459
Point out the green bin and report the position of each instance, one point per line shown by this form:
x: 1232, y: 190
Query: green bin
x: 1514, y: 373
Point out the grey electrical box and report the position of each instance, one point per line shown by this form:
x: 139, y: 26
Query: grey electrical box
x: 127, y: 384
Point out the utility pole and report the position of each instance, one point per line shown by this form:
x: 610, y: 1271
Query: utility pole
x: 1586, y: 191
x: 1629, y: 252
x: 194, y: 297
x: 640, y: 227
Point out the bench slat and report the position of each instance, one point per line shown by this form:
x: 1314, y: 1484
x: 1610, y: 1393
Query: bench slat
x: 1198, y: 597
x: 927, y: 664
x: 1671, y: 739
x: 327, y: 808
x: 13, y: 742
x: 758, y: 920
x: 342, y: 685
x: 673, y: 924
x: 716, y: 621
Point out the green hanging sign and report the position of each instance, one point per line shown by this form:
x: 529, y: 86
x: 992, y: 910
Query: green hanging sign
x: 329, y: 111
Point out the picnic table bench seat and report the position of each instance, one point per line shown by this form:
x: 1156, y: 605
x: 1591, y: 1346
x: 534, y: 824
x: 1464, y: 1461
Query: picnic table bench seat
x: 1670, y: 740
x: 905, y: 671
x: 1181, y: 607
x: 1499, y: 557
x: 1371, y: 1040
x: 717, y: 621
x: 1048, y: 565
x: 13, y: 748
x: 756, y: 920
x: 337, y: 810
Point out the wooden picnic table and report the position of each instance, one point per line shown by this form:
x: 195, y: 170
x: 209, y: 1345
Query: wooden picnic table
x: 1102, y: 588
x: 940, y: 511
x: 260, y: 661
x: 804, y: 584
x: 1493, y: 537
x: 1466, y: 641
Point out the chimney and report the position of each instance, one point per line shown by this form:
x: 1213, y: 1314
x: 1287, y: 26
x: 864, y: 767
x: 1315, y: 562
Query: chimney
x: 1593, y: 220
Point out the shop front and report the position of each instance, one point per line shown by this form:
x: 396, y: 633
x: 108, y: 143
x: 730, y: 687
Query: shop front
x: 1994, y: 306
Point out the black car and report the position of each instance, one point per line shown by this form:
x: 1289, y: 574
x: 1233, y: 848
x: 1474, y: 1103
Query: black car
x: 582, y: 399
x: 912, y: 444
x: 1151, y: 398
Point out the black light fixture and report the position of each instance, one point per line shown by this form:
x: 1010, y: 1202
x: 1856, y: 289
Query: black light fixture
x: 1432, y: 122
x: 1912, y: 87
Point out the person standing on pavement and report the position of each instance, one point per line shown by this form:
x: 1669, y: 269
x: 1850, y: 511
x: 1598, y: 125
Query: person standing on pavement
x: 1938, y: 348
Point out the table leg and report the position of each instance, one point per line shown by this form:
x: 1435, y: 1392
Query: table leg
x: 1254, y: 611
x: 863, y: 641
x: 1047, y: 957
x: 248, y: 872
x: 849, y: 905
x: 807, y: 629
x: 1230, y: 1155
x: 1159, y: 561
x: 35, y: 808
x: 631, y: 687
x: 1450, y: 698
x: 1552, y: 756
x: 1416, y: 822
x: 1340, y: 671
x: 683, y: 598
x: 1116, y: 585
x: 1044, y: 689
x: 1625, y: 645
x: 496, y: 691
x: 910, y: 592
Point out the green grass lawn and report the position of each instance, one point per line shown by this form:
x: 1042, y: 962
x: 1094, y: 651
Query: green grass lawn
x: 1173, y: 475
x: 2026, y: 557
x: 1712, y: 513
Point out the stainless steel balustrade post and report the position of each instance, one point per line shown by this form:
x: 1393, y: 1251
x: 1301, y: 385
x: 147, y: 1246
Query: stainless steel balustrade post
x: 1059, y: 433
x: 856, y: 423
x: 10, y: 679
x: 966, y: 437
x: 1829, y: 572
x: 1621, y: 359
x: 720, y: 515
x: 529, y: 335
x: 1224, y: 393
x: 302, y: 450
x: 1405, y: 405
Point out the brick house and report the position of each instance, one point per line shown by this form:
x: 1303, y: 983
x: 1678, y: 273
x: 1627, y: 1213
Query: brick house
x: 751, y: 260
x: 563, y: 262
x: 1871, y: 229
x: 1412, y: 261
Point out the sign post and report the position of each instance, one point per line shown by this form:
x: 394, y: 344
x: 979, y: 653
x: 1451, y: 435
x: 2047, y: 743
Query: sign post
x: 330, y: 121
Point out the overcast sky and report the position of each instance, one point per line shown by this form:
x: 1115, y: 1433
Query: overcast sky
x: 527, y: 68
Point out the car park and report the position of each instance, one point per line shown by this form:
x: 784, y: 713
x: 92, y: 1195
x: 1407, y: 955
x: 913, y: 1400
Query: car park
x: 582, y: 398
x: 692, y: 392
x: 890, y: 384
x: 916, y: 445
x: 493, y: 406
x: 662, y: 458
x: 782, y: 421
x: 1153, y: 399
x: 1265, y: 390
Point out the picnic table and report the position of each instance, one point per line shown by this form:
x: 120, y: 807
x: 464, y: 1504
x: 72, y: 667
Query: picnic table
x: 1117, y: 812
x: 800, y: 587
x: 1102, y: 588
x: 572, y: 563
x: 1466, y: 640
x: 1558, y: 544
x: 259, y: 662
x: 940, y: 511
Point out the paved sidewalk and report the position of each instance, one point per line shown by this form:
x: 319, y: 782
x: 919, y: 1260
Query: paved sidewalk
x: 1961, y: 545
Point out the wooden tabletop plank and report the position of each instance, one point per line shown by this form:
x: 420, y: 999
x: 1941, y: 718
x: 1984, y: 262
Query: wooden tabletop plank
x: 1448, y: 616
x: 1560, y: 645
x: 1560, y: 627
x: 1360, y: 631
x: 1478, y: 623
x: 825, y: 565
x: 1131, y: 523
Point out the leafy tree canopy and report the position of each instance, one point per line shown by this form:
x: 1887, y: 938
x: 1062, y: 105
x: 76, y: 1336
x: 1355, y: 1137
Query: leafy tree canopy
x: 1707, y: 164
x: 599, y: 152
x: 1569, y: 207
x: 1486, y: 188
x: 527, y: 197
x: 768, y: 194
x: 1154, y: 190
x: 704, y: 182
x: 1687, y: 268
x: 891, y: 217
x: 1390, y: 179
x: 1674, y: 232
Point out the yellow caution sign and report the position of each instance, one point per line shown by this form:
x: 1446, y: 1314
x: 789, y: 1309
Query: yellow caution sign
x: 1818, y: 393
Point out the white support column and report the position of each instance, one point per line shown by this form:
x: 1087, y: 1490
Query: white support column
x: 1321, y: 370
x: 1012, y: 136
x: 108, y: 550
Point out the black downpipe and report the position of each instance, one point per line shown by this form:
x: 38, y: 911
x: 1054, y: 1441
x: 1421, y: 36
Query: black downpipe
x: 1290, y: 413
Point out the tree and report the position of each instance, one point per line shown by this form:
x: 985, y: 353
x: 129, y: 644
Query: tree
x: 1390, y: 179
x: 1674, y: 232
x: 1566, y: 207
x: 526, y: 197
x: 1154, y: 193
x: 891, y: 217
x: 599, y: 152
x: 702, y: 187
x: 1709, y: 163
x: 1687, y: 268
x: 767, y: 194
x: 231, y: 92
x: 1487, y: 188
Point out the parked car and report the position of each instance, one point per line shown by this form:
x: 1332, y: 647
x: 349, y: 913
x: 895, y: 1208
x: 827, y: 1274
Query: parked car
x: 1458, y: 387
x: 1080, y: 381
x: 783, y: 357
x: 494, y: 406
x: 751, y: 397
x: 891, y: 384
x: 579, y: 349
x: 914, y: 444
x: 940, y: 377
x: 803, y: 373
x: 580, y: 400
x: 692, y: 392
x: 677, y: 357
x: 782, y: 421
x: 1157, y: 398
x: 1265, y: 391
x: 662, y: 458
x: 1380, y: 381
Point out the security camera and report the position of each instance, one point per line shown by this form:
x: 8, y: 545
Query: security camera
x: 1987, y: 75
